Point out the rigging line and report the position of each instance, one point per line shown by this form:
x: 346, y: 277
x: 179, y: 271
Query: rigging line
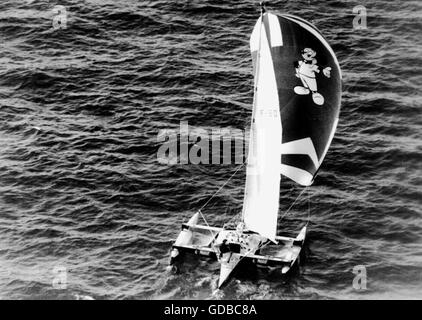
x: 309, y: 207
x: 237, y: 215
x: 212, y: 234
x: 291, y: 206
x: 259, y: 248
x: 206, y: 203
x: 246, y: 254
x: 309, y: 213
x: 227, y: 181
x: 309, y: 216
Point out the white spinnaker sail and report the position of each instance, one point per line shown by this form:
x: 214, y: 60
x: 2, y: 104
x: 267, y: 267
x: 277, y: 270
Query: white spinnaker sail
x: 262, y: 191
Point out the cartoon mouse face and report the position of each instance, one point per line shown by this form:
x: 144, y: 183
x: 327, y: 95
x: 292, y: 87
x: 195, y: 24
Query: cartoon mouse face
x: 306, y: 71
x: 308, y: 54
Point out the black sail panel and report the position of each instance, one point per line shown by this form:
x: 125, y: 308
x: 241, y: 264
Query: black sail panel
x: 308, y: 80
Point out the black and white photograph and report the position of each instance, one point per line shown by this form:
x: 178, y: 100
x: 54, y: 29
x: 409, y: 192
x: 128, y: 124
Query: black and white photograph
x: 233, y: 152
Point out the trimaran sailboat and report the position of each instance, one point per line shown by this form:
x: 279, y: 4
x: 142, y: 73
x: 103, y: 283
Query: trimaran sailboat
x: 295, y: 112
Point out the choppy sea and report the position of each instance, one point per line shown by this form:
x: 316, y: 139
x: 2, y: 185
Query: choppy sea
x: 82, y: 195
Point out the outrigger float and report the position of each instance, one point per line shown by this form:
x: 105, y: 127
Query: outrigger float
x: 297, y: 93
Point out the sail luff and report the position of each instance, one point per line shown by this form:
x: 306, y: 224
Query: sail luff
x: 256, y: 75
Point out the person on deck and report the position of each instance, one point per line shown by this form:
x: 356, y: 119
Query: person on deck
x: 224, y: 247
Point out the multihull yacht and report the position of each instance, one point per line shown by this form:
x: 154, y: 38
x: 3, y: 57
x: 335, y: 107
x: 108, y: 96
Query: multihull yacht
x: 297, y: 93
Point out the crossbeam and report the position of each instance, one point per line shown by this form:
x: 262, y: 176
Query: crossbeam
x: 269, y: 258
x: 216, y: 229
x: 207, y: 251
x: 200, y: 227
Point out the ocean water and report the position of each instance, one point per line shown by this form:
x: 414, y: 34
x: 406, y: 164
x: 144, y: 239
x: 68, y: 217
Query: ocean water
x: 82, y: 194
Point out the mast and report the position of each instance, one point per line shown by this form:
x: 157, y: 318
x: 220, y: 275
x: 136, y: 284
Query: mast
x: 263, y: 10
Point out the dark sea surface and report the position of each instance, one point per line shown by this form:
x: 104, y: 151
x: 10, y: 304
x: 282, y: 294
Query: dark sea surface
x: 81, y: 187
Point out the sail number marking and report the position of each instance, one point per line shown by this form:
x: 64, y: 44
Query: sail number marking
x: 267, y: 113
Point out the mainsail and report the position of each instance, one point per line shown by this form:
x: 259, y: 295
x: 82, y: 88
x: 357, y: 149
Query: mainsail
x: 295, y: 113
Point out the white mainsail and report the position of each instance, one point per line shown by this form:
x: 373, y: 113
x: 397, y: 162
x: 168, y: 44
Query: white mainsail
x: 262, y: 192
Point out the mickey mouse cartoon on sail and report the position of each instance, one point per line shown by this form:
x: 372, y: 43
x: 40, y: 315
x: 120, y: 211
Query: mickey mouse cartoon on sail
x: 305, y: 71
